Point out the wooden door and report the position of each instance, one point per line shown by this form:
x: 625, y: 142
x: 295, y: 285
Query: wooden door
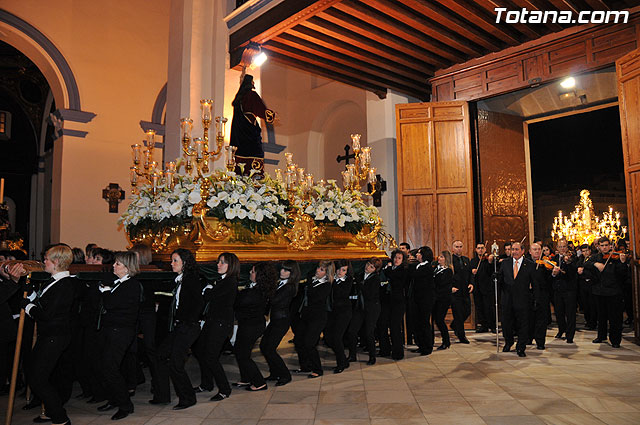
x: 628, y: 73
x: 435, y: 179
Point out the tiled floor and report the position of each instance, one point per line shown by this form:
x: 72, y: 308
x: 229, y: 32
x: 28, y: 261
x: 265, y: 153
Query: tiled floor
x: 581, y: 384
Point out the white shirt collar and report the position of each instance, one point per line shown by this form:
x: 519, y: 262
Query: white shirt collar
x: 422, y: 264
x: 56, y: 277
x: 223, y: 276
x: 252, y: 285
x: 179, y: 278
x: 122, y: 279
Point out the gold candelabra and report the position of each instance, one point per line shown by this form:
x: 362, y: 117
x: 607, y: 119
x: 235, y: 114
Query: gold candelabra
x: 295, y: 179
x: 359, y: 174
x: 197, y: 149
x: 145, y: 170
x: 584, y: 226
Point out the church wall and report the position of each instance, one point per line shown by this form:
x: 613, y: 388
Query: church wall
x: 503, y: 177
x: 118, y: 54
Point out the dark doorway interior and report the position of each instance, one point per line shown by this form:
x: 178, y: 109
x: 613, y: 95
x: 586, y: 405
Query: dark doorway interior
x: 568, y: 154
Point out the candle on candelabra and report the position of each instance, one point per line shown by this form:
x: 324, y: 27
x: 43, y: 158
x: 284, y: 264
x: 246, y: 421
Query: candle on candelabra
x: 154, y: 180
x: 355, y: 139
x: 279, y: 175
x: 220, y: 127
x: 186, y: 125
x: 151, y: 139
x: 366, y: 156
x: 135, y: 152
x: 171, y: 166
x: 372, y: 175
x: 169, y: 179
x: 309, y: 181
x: 346, y: 179
x: 133, y: 175
x: 147, y: 160
x: 199, y: 148
x: 289, y: 157
x: 300, y: 175
x: 206, y: 105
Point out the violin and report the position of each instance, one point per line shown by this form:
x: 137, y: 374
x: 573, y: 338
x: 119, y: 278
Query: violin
x: 614, y: 255
x: 545, y: 261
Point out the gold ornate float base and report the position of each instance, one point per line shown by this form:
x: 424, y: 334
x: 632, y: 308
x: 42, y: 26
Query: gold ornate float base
x: 207, y: 237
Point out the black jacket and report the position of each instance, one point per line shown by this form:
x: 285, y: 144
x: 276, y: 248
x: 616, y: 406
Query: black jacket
x: 121, y: 307
x: 7, y: 324
x: 461, y: 275
x: 519, y: 291
x: 609, y: 281
x: 443, y: 282
x: 250, y: 305
x: 314, y: 297
x: 280, y: 303
x: 340, y: 291
x: 397, y: 278
x: 567, y: 279
x: 367, y: 291
x: 219, y: 300
x: 52, y: 311
x: 482, y: 281
x: 422, y: 282
x: 191, y: 301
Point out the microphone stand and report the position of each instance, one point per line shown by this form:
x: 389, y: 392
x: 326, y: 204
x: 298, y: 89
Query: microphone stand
x: 495, y: 287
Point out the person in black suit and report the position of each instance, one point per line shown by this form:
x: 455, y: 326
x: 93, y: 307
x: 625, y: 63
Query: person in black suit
x: 608, y: 290
x: 462, y: 287
x: 250, y: 307
x: 586, y: 280
x: 443, y: 283
x: 366, y: 309
x: 120, y: 308
x: 484, y: 293
x: 312, y: 311
x: 392, y: 320
x: 218, y: 312
x: 340, y: 314
x: 565, y: 289
x: 423, y: 297
x: 539, y: 318
x: 279, y: 321
x: 517, y: 276
x: 184, y: 327
x: 51, y: 309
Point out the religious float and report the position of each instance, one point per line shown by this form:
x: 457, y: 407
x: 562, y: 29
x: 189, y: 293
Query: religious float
x: 244, y: 210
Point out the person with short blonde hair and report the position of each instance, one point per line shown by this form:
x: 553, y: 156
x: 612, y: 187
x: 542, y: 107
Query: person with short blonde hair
x: 61, y: 255
x: 130, y: 260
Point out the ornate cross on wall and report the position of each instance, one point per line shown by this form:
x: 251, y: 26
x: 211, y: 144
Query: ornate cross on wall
x: 113, y: 194
x: 381, y: 187
x: 346, y: 155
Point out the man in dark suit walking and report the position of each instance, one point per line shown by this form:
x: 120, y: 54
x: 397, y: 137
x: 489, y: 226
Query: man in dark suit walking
x: 517, y: 278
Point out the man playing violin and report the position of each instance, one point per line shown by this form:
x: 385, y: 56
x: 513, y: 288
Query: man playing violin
x: 611, y: 269
x: 564, y: 281
x: 540, y: 312
x: 483, y: 296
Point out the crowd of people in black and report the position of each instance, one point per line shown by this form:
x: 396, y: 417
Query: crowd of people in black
x: 98, y: 333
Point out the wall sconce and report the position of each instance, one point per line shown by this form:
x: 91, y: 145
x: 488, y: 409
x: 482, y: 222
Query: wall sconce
x: 253, y: 56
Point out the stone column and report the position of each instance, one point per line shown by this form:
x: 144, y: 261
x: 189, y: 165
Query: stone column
x: 381, y: 135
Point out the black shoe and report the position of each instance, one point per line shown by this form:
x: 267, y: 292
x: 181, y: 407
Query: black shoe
x: 615, y: 345
x: 271, y: 378
x: 181, y: 406
x: 33, y: 404
x: 482, y: 330
x: 426, y: 352
x: 540, y: 347
x: 106, y: 407
x: 569, y: 341
x: 219, y: 397
x: 41, y: 420
x: 199, y: 389
x: 338, y: 370
x: 352, y: 359
x: 506, y: 348
x: 521, y: 353
x: 415, y: 350
x: 443, y: 347
x: 254, y: 388
x: 95, y: 400
x: 371, y: 361
x: 120, y: 414
x: 282, y: 382
x: 598, y: 341
x: 397, y: 356
x: 300, y: 370
x: 132, y: 393
x: 559, y: 335
x: 464, y: 340
x: 241, y: 384
x: 159, y: 402
x: 383, y: 354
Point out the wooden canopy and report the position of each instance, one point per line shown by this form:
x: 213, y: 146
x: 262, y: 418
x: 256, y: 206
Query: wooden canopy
x: 394, y: 44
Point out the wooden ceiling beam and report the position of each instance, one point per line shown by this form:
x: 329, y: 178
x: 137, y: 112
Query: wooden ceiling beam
x: 454, y: 23
x: 529, y: 31
x: 482, y: 19
x: 598, y: 5
x: 438, y: 51
x: 346, y: 60
x: 563, y: 5
x: 347, y: 70
x: 316, y: 38
x: 355, y: 82
x: 427, y: 26
x: 538, y: 6
x: 364, y: 43
x: 397, y: 28
x: 356, y: 51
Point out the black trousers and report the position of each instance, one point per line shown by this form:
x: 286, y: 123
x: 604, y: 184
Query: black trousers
x: 423, y: 308
x: 116, y: 344
x: 208, y: 349
x: 461, y: 309
x: 486, y: 303
x: 44, y: 359
x: 515, y: 316
x: 539, y: 320
x: 306, y: 339
x: 276, y: 330
x: 172, y: 356
x: 391, y: 321
x: 147, y: 327
x: 366, y: 320
x: 92, y: 350
x: 246, y: 337
x: 588, y: 304
x: 628, y: 298
x: 440, y: 308
x: 337, y: 324
x: 592, y: 321
x: 610, y: 311
x: 565, y: 306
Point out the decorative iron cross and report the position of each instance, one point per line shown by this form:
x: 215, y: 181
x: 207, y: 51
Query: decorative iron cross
x: 346, y: 156
x: 113, y: 194
x: 381, y: 186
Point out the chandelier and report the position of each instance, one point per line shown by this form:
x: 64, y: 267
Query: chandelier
x: 583, y: 226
